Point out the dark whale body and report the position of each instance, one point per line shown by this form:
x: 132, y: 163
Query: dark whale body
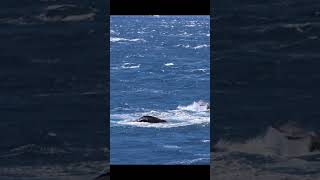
x: 150, y: 119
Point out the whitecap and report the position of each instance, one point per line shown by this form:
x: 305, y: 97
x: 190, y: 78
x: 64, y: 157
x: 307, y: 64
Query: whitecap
x: 169, y: 64
x: 171, y: 146
x: 182, y: 45
x: 195, y: 47
x: 114, y: 32
x: 205, y: 140
x: 185, y: 34
x: 199, y: 106
x: 197, y: 70
x: 117, y: 39
x: 191, y: 161
x: 201, y: 46
x: 130, y: 66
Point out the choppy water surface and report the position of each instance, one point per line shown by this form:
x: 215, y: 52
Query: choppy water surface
x: 160, y: 66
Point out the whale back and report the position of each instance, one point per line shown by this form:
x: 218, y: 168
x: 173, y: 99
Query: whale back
x: 150, y: 119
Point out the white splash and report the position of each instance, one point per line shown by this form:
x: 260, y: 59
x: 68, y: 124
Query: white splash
x: 192, y: 161
x: 201, y: 46
x: 175, y: 118
x: 130, y: 66
x: 169, y: 64
x: 193, y: 47
x: 182, y: 45
x: 114, y: 32
x: 205, y: 140
x: 190, y: 25
x: 198, y: 70
x: 117, y: 39
x: 199, y: 106
x: 273, y: 143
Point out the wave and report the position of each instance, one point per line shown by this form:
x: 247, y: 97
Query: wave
x: 54, y: 13
x: 273, y: 143
x: 199, y: 70
x: 34, y: 149
x: 134, y: 55
x: 169, y: 64
x: 199, y: 106
x: 238, y: 169
x: 192, y: 161
x: 117, y: 39
x: 182, y: 45
x: 61, y: 13
x: 201, y: 46
x: 205, y: 140
x: 185, y: 34
x: 58, y: 6
x: 80, y: 170
x: 130, y: 66
x: 193, y: 47
x: 112, y: 32
x: 190, y: 25
x: 80, y: 17
x: 172, y: 147
x: 176, y: 118
x: 283, y: 157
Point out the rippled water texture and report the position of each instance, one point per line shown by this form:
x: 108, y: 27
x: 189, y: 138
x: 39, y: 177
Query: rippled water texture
x: 160, y: 66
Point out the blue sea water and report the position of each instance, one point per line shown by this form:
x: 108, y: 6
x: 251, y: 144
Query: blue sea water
x: 160, y: 66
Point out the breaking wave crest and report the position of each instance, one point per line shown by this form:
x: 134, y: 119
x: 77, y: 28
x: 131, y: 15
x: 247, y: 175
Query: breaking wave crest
x: 270, y: 156
x: 130, y: 66
x: 193, y: 47
x: 199, y: 106
x: 273, y: 143
x: 117, y: 39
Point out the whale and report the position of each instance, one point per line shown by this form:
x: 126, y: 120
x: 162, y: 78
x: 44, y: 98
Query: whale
x: 150, y: 119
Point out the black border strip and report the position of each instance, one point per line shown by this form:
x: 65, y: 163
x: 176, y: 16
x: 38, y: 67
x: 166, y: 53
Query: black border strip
x: 160, y: 172
x: 160, y: 7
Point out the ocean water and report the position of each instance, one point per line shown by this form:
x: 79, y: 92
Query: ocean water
x: 159, y: 66
x: 266, y: 61
x: 52, y: 106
